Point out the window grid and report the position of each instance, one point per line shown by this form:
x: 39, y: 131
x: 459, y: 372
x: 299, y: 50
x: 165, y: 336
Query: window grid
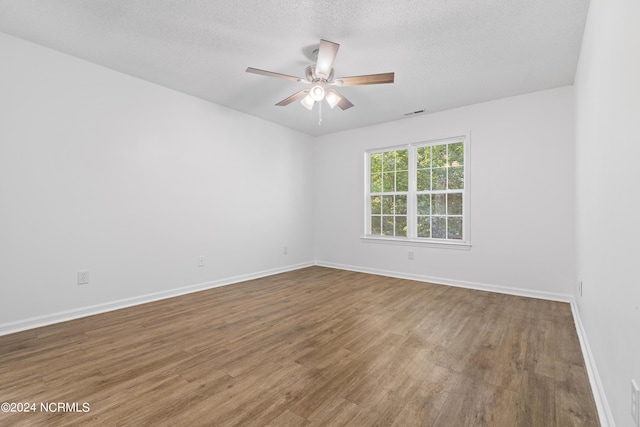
x: 389, y: 185
x: 440, y: 191
x: 418, y: 192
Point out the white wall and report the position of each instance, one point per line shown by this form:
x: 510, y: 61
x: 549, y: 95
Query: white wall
x: 522, y: 196
x: 132, y: 181
x: 608, y: 199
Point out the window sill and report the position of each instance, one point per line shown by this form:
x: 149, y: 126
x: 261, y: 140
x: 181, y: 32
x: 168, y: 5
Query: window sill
x: 442, y: 244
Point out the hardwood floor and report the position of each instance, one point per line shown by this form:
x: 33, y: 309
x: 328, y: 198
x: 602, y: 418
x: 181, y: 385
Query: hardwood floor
x: 312, y: 347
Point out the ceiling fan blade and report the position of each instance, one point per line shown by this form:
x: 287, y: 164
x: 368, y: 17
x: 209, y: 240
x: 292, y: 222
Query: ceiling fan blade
x: 344, y: 103
x: 326, y: 55
x: 294, y: 97
x: 369, y: 79
x: 272, y: 74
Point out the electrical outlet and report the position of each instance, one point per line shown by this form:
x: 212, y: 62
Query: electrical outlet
x: 83, y: 277
x: 201, y: 261
x: 285, y: 250
x: 635, y: 402
x: 411, y: 255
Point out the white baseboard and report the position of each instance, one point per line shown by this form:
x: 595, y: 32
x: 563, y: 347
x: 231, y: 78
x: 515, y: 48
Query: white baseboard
x: 604, y: 411
x: 48, y: 319
x: 449, y: 282
x: 63, y: 316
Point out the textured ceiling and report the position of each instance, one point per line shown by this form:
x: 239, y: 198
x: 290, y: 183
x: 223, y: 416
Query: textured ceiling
x: 445, y: 53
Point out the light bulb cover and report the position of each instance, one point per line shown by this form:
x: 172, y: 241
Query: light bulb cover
x: 332, y: 98
x: 317, y: 93
x: 308, y: 102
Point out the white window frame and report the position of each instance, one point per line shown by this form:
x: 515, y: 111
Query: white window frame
x: 412, y: 239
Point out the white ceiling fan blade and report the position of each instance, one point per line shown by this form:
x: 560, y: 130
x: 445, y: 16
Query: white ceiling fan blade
x: 369, y: 79
x: 294, y: 97
x: 272, y: 74
x: 326, y: 56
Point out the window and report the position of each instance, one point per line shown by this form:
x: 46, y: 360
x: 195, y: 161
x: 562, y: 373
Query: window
x: 416, y: 193
x: 389, y: 190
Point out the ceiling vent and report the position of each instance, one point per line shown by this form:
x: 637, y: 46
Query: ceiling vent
x: 412, y: 113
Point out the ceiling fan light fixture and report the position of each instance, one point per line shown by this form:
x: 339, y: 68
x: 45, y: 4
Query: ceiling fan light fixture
x: 317, y: 93
x: 320, y: 78
x: 332, y: 98
x: 307, y: 102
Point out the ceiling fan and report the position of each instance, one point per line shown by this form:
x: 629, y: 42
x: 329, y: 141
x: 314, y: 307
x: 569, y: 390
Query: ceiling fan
x: 322, y: 82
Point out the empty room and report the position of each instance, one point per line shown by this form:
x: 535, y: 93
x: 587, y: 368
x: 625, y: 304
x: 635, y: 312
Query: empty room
x: 319, y: 213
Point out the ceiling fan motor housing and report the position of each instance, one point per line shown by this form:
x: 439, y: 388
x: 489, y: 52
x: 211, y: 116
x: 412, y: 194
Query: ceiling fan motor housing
x: 310, y: 75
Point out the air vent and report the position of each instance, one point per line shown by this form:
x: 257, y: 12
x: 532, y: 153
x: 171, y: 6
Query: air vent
x: 415, y: 112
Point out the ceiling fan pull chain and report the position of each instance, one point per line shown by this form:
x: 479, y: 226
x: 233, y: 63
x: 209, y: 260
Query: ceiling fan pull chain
x: 320, y: 113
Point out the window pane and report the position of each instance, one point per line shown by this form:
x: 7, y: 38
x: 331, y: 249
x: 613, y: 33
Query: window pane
x: 376, y: 162
x: 424, y: 204
x: 388, y: 183
x: 439, y: 204
x: 387, y: 225
x: 402, y: 160
x: 401, y: 205
x: 456, y: 154
x: 456, y: 178
x: 455, y: 228
x: 439, y: 227
x: 424, y: 179
x: 402, y: 181
x: 424, y: 226
x: 376, y: 182
x: 439, y: 153
x: 424, y: 157
x: 454, y: 204
x: 375, y: 205
x: 387, y: 205
x: 376, y: 225
x: 440, y: 178
x: 389, y: 161
x: 401, y: 226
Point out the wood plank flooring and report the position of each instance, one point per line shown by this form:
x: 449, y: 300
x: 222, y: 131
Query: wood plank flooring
x: 312, y: 347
